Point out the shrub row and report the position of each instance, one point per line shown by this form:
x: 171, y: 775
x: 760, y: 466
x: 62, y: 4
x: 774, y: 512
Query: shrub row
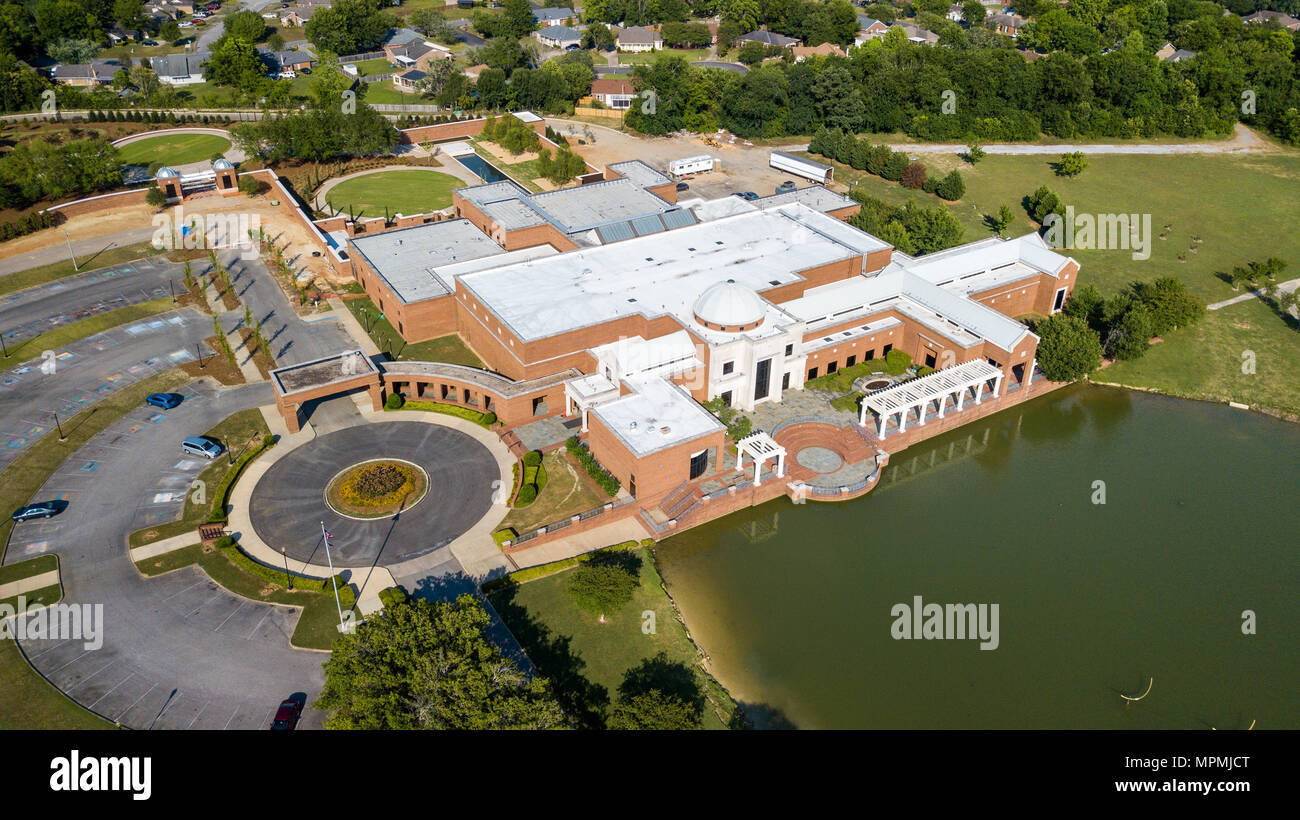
x: 152, y: 116
x: 593, y: 467
x: 241, y: 559
x: 885, y: 162
x: 482, y: 419
x: 523, y: 576
x: 222, y: 494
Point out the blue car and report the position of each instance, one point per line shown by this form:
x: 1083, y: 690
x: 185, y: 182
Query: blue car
x: 164, y: 400
x: 43, y: 509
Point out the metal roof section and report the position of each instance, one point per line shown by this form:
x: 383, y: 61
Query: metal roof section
x: 405, y: 258
x: 641, y: 173
x: 585, y: 207
x: 481, y: 195
x: 644, y: 226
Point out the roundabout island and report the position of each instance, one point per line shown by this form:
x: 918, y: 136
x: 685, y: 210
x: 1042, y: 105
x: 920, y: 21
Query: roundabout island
x: 387, y: 492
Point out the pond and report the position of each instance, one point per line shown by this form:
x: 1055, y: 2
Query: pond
x: 481, y: 167
x: 795, y: 604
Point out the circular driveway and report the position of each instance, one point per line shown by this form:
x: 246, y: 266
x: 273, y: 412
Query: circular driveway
x: 288, y: 503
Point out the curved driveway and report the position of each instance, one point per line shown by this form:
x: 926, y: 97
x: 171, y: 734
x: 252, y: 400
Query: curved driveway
x: 288, y: 506
x: 179, y: 652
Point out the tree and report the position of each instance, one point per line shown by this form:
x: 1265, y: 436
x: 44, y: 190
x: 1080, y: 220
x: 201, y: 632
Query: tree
x: 422, y: 665
x: 598, y: 36
x: 972, y: 11
x: 275, y: 42
x: 249, y: 186
x: 72, y: 51
x: 1003, y: 220
x: 246, y: 25
x: 155, y: 198
x: 40, y: 170
x: 170, y: 31
x: 914, y: 175
x: 130, y: 13
x: 1130, y: 330
x: 751, y: 53
x: 20, y: 86
x: 1169, y: 303
x: 1071, y: 164
x: 652, y: 710
x: 1067, y: 348
x: 952, y: 187
x: 518, y: 16
x: 604, y: 585
x: 974, y: 153
x: 895, y: 166
x: 234, y: 62
x: 348, y: 27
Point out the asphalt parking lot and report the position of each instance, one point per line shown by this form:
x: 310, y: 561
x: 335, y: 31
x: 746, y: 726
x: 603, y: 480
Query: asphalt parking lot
x: 178, y: 651
x: 91, y: 369
x: 27, y: 313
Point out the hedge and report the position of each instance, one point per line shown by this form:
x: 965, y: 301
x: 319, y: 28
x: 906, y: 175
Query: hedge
x: 481, y: 419
x: 241, y: 559
x: 896, y: 361
x: 392, y: 596
x: 222, y: 494
x: 593, y: 467
x: 523, y: 576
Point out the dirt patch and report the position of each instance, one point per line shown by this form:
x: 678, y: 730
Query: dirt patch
x: 103, y: 223
x: 215, y: 365
x: 505, y: 156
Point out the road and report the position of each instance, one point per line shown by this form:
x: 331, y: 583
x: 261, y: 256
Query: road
x: 85, y: 250
x: 179, y: 652
x: 33, y: 311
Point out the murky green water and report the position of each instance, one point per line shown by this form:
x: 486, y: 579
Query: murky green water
x: 793, y: 603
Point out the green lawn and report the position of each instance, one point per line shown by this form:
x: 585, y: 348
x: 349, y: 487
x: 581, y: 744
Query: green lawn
x: 173, y: 149
x: 1242, y: 208
x: 586, y: 660
x: 522, y: 172
x: 365, y: 68
x: 405, y: 191
x: 566, y: 493
x: 690, y: 55
x: 384, y: 92
x: 26, y: 569
x: 450, y: 349
x: 27, y: 701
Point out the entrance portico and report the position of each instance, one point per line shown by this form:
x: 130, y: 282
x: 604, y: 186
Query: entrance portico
x: 584, y: 393
x: 951, y: 384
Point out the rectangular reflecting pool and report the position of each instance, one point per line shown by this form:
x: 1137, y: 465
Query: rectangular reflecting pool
x: 481, y: 167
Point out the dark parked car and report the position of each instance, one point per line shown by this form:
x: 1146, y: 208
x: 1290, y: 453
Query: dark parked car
x: 682, y: 186
x: 164, y: 400
x: 41, y: 509
x: 286, y: 717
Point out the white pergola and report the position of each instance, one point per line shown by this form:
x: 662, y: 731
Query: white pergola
x: 760, y: 447
x: 951, y: 383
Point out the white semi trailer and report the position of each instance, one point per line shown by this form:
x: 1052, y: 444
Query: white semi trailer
x: 692, y: 165
x: 801, y: 167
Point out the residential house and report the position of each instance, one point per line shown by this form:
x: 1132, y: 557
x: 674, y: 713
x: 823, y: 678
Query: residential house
x: 1008, y: 24
x: 916, y: 34
x: 1286, y: 21
x: 558, y: 17
x: 417, y: 53
x: 767, y: 38
x: 954, y: 13
x: 407, y: 80
x: 1168, y: 53
x: 869, y: 28
x: 558, y: 36
x: 180, y: 69
x: 291, y: 60
x: 299, y: 13
x: 639, y: 38
x: 802, y: 53
x: 86, y: 75
x: 613, y: 92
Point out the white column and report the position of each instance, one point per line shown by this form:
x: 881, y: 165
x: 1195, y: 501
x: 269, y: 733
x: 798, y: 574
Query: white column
x: 584, y: 420
x: 780, y: 465
x: 920, y: 410
x: 902, y: 420
x: 979, y: 392
x: 882, y: 420
x: 943, y: 400
x: 758, y: 471
x: 961, y: 397
x: 997, y: 384
x: 740, y: 457
x: 568, y: 404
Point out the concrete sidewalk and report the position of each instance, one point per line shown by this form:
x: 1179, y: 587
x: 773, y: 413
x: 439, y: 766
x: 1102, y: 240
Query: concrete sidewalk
x: 166, y: 545
x: 29, y: 584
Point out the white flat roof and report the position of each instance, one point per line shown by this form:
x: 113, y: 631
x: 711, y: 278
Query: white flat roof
x: 406, y: 258
x: 663, y: 273
x: 658, y: 415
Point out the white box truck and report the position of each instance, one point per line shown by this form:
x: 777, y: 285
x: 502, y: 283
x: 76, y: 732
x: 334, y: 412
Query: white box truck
x: 801, y: 167
x: 691, y: 165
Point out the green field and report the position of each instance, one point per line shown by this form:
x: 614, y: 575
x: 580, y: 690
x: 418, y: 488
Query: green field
x: 450, y: 349
x: 1241, y: 208
x: 173, y: 149
x: 405, y: 191
x: 690, y: 55
x: 384, y: 93
x: 586, y: 661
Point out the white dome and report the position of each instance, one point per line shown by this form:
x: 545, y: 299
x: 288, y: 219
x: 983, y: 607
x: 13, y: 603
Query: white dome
x: 222, y: 164
x: 166, y: 173
x: 729, y: 304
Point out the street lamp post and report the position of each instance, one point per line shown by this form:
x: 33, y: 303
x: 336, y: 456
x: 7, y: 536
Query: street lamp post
x: 60, y: 426
x: 286, y: 568
x: 70, y: 252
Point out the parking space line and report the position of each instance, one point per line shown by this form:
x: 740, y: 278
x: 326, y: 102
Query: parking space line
x: 52, y: 648
x: 74, y: 660
x: 137, y: 700
x: 232, y: 718
x: 110, y: 691
x: 87, y: 679
x: 199, y: 714
x: 186, y: 589
x: 266, y: 615
x: 210, y: 598
x: 232, y: 614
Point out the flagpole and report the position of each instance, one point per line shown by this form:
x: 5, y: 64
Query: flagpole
x: 333, y: 578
